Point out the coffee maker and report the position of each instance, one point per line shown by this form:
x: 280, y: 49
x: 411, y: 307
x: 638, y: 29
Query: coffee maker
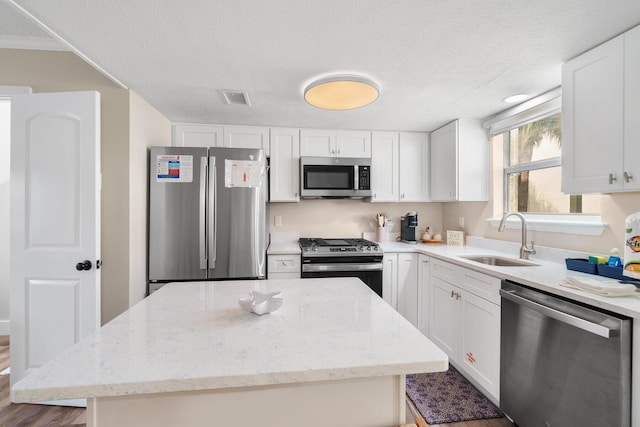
x: 408, y: 225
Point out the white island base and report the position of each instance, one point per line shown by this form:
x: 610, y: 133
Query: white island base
x: 335, y: 354
x: 363, y: 402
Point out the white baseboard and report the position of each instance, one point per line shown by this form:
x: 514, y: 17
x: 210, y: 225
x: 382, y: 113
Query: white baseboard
x: 4, y: 327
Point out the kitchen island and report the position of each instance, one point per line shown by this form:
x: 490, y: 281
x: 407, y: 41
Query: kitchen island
x: 334, y: 354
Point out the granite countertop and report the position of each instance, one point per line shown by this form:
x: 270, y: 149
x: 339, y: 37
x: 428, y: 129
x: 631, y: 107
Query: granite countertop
x: 546, y: 276
x: 194, y: 336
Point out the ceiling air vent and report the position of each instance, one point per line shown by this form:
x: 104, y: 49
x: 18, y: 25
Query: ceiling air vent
x: 235, y: 97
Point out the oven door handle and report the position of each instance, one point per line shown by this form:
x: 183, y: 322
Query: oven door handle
x: 307, y: 268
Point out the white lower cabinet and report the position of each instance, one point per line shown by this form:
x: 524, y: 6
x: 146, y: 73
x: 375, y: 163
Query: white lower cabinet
x: 400, y: 284
x: 424, y: 285
x: 408, y: 286
x: 445, y: 318
x: 464, y: 321
x: 480, y: 347
x: 390, y: 279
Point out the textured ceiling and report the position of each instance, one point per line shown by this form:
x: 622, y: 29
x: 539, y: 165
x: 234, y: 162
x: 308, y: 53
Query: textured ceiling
x: 433, y: 60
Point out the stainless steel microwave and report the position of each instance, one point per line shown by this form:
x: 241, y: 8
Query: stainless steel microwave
x: 335, y: 177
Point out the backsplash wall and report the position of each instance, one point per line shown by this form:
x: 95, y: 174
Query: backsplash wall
x: 348, y: 218
x: 614, y: 210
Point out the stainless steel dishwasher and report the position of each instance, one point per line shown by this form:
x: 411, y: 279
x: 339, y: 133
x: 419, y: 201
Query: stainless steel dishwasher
x: 561, y: 363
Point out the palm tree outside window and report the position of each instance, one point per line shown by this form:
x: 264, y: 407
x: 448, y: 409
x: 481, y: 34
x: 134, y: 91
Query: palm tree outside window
x: 532, y: 171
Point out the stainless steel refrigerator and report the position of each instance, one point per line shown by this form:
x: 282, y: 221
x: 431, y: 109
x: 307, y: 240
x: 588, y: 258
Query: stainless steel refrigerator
x: 207, y: 214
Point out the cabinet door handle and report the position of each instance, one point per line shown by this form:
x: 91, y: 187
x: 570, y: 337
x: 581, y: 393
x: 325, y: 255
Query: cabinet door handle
x: 627, y: 176
x: 612, y: 178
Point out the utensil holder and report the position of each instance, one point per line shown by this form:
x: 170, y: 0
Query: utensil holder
x: 381, y: 234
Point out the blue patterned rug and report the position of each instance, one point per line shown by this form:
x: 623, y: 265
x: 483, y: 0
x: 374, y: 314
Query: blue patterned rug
x: 447, y: 397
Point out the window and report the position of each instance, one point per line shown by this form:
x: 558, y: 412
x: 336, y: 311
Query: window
x: 532, y: 170
x: 526, y: 143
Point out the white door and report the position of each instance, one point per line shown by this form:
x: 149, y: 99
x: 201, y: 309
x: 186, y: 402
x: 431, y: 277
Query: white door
x: 55, y: 225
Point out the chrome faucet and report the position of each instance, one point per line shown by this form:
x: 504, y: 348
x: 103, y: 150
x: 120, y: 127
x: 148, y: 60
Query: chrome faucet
x: 524, y: 250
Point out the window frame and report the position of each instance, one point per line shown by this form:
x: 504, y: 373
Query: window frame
x: 543, y: 106
x: 522, y: 167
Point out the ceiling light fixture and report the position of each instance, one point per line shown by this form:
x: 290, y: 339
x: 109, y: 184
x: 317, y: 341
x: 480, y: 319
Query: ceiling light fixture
x: 515, y: 98
x: 344, y: 92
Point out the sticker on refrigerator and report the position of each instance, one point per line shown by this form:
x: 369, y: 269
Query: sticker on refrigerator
x: 174, y: 168
x: 241, y: 173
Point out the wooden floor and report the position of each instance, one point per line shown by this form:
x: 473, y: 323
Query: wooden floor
x: 26, y: 415
x: 23, y: 415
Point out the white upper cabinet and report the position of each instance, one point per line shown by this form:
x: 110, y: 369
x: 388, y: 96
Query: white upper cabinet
x: 332, y: 143
x: 284, y: 182
x: 354, y: 143
x: 195, y: 135
x: 385, y: 166
x: 318, y: 142
x: 247, y: 137
x: 414, y: 167
x: 592, y: 120
x: 631, y: 156
x: 459, y: 162
x: 600, y: 110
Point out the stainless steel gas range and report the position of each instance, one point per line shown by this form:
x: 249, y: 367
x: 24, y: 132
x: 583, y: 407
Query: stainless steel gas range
x: 343, y: 258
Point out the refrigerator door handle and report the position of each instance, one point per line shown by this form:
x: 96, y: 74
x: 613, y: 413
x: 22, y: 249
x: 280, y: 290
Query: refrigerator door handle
x: 202, y: 220
x: 213, y: 212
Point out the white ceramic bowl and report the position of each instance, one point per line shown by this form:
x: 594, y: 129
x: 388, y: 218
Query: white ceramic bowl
x: 261, y: 303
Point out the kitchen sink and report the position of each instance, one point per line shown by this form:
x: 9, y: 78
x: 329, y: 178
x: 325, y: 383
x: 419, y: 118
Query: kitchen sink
x: 499, y: 261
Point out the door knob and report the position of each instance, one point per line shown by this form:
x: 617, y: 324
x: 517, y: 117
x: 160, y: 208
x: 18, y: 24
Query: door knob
x: 83, y: 265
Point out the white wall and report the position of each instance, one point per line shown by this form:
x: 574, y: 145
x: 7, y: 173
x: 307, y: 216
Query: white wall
x: 4, y: 257
x: 53, y: 71
x: 5, y: 164
x: 614, y: 209
x: 147, y: 128
x: 4, y: 216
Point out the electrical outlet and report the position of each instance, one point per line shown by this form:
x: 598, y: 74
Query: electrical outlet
x: 461, y: 221
x: 277, y: 221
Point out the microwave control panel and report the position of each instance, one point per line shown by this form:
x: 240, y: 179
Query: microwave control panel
x: 364, y: 174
